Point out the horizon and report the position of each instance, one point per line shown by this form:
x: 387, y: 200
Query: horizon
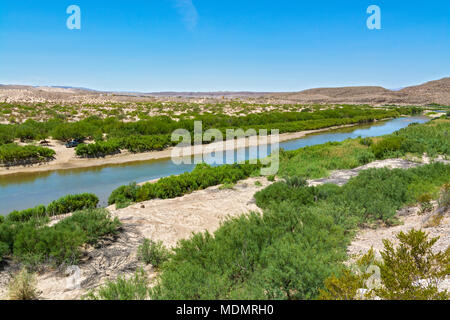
x: 222, y: 91
x: 204, y: 46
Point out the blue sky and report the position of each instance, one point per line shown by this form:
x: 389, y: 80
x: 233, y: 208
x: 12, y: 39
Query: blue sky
x: 212, y: 45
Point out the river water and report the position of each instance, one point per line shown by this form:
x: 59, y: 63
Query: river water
x: 22, y: 191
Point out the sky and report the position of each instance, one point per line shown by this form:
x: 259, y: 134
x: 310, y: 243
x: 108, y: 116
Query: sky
x: 223, y: 45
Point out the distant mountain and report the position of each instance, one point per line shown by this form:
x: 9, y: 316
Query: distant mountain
x: 437, y: 91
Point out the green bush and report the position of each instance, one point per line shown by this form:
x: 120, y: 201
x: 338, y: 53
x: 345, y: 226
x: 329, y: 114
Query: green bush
x: 13, y: 154
x: 61, y: 243
x: 412, y: 261
x: 66, y: 204
x: 24, y: 215
x: 98, y: 149
x: 387, y: 147
x: 202, y: 177
x: 94, y: 223
x: 366, y: 142
x: 72, y: 203
x: 401, y: 269
x: 153, y: 253
x: 4, y: 250
x: 135, y: 288
x: 6, y: 134
x: 124, y: 195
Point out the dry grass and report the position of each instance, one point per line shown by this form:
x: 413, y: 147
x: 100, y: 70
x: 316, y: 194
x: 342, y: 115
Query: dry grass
x: 23, y: 286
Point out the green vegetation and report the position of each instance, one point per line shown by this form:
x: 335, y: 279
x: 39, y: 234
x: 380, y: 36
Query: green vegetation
x: 294, y: 250
x: 202, y: 177
x: 317, y: 161
x: 13, y: 154
x: 112, y: 134
x: 300, y: 240
x: 33, y: 242
x: 66, y: 204
x: 154, y: 253
x: 409, y: 272
x: 135, y: 288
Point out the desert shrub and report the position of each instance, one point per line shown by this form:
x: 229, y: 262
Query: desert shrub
x: 124, y: 194
x: 13, y: 154
x: 365, y: 157
x: 202, y: 177
x: 146, y: 143
x: 48, y: 245
x: 61, y: 243
x: 386, y: 147
x: 4, y: 250
x: 10, y: 229
x: 94, y: 223
x: 66, y: 204
x: 72, y: 203
x: 366, y: 142
x: 410, y: 271
x: 299, y: 241
x: 153, y: 253
x: 24, y: 215
x: 281, y: 191
x: 75, y: 130
x: 23, y: 286
x: 98, y: 149
x: 6, y: 134
x: 296, y: 182
x: 31, y: 130
x: 135, y: 288
x: 342, y: 287
x: 425, y: 202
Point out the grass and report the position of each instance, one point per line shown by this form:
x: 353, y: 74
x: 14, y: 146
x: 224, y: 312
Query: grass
x: 317, y: 161
x: 23, y: 286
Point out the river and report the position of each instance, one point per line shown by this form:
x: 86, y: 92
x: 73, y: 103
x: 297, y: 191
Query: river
x: 22, y: 191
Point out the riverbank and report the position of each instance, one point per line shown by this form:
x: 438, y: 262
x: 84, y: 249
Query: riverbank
x: 65, y: 159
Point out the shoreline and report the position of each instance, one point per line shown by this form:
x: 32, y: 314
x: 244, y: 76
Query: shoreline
x: 66, y: 159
